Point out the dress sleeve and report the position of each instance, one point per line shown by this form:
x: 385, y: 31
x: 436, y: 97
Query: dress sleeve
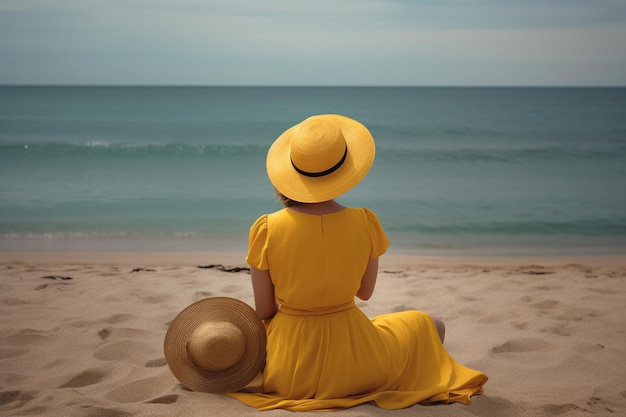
x: 380, y: 241
x: 257, y: 244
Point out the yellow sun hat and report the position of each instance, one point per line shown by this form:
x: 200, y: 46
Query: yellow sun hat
x: 320, y: 158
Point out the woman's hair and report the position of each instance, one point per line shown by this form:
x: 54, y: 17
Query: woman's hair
x: 286, y: 201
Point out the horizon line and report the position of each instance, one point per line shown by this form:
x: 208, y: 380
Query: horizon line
x: 308, y: 85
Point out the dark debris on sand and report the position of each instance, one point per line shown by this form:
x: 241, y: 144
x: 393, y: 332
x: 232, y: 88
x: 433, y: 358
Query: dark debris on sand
x: 225, y: 269
x: 57, y: 277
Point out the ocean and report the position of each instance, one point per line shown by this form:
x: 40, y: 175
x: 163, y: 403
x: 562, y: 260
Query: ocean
x: 493, y: 171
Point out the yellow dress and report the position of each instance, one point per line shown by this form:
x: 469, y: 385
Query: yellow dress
x: 322, y: 352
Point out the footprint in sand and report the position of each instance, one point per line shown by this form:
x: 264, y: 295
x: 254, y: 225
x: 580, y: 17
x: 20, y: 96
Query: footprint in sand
x: 155, y: 363
x: 12, y: 353
x: 522, y: 345
x: 521, y: 325
x: 10, y: 379
x: 471, y: 299
x: 545, y: 305
x: 558, y: 409
x: 589, y: 347
x: 13, y: 302
x: 89, y: 377
x: 11, y: 400
x: 118, y: 318
x: 128, y: 351
x: 230, y: 289
x: 415, y: 293
x: 141, y: 390
x: 26, y: 337
x: 165, y: 399
x: 123, y: 332
x: 560, y: 330
x: 156, y: 299
x: 603, y: 291
x: 493, y: 318
x: 403, y: 307
x: 600, y: 405
x: 576, y: 314
x: 451, y: 289
x: 199, y: 295
x: 93, y: 411
x: 549, y: 287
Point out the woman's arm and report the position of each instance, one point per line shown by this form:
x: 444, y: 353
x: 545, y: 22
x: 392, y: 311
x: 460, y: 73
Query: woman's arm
x: 368, y: 282
x: 264, y: 301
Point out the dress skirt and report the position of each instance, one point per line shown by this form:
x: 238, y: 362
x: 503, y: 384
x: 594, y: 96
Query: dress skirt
x: 343, y: 359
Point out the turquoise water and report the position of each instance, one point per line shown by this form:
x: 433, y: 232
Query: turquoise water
x: 519, y: 170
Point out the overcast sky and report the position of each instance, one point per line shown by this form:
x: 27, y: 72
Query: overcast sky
x: 313, y: 42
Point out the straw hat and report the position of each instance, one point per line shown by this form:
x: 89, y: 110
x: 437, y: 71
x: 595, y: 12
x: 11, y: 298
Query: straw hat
x: 216, y: 345
x: 320, y: 158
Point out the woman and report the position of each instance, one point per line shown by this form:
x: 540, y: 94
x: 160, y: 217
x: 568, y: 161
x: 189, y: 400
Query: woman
x: 308, y: 262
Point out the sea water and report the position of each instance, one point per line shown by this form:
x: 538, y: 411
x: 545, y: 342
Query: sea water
x: 489, y: 170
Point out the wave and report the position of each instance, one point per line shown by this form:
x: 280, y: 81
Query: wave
x: 101, y: 234
x: 502, y: 155
x: 576, y: 227
x: 385, y: 151
x: 102, y: 148
x: 120, y: 241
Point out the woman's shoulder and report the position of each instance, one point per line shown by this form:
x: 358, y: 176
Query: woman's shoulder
x: 260, y: 223
x: 363, y: 211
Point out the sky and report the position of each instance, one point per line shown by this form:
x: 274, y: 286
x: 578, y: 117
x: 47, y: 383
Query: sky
x: 314, y: 42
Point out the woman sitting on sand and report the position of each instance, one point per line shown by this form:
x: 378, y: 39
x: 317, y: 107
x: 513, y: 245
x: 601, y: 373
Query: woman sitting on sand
x: 308, y: 262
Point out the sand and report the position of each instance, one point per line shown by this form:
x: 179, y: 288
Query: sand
x: 549, y: 332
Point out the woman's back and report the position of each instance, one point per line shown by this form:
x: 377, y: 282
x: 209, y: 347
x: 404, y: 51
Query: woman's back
x: 316, y: 261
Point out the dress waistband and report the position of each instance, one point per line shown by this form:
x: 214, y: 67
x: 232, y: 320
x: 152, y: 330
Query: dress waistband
x: 319, y: 312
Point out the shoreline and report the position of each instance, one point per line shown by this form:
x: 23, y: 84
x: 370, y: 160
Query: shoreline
x: 400, y: 246
x: 237, y: 258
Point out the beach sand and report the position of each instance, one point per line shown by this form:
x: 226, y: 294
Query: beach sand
x: 549, y: 332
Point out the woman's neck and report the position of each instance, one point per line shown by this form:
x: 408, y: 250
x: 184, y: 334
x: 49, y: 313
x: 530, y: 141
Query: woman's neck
x: 325, y: 207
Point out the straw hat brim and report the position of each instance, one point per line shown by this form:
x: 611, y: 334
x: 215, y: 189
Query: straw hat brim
x: 216, y: 309
x: 359, y: 160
